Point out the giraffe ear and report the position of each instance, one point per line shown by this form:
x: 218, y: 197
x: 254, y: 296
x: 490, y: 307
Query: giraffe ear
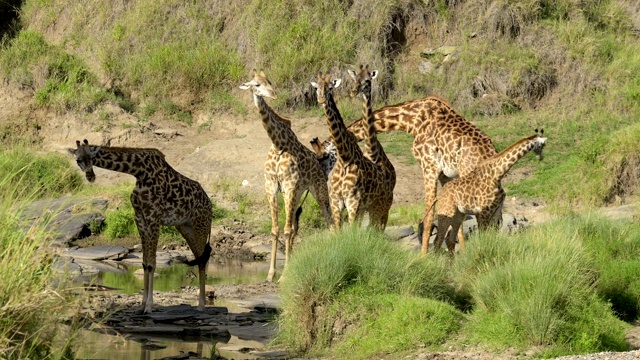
x: 352, y: 74
x: 262, y: 73
x: 314, y: 84
x: 244, y: 86
x: 374, y: 74
x: 336, y: 83
x: 71, y: 151
x: 253, y: 72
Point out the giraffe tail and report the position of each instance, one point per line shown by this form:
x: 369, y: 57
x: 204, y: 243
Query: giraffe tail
x: 202, y: 259
x: 421, y: 230
x: 421, y: 225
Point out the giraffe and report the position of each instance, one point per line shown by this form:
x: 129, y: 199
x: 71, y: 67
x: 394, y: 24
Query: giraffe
x: 435, y: 126
x: 355, y: 183
x: 161, y: 196
x: 479, y: 190
x: 373, y: 148
x: 291, y: 168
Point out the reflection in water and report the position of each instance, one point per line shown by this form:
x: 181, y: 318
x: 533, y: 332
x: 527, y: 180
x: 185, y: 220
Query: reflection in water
x: 93, y: 345
x: 174, y: 277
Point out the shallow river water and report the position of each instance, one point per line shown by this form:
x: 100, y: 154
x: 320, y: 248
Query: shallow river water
x: 95, y: 345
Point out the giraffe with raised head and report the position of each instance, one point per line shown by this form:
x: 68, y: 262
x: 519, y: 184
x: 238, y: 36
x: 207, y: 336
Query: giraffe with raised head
x: 291, y: 168
x: 480, y: 190
x: 373, y: 149
x: 445, y: 143
x: 161, y: 196
x: 355, y: 183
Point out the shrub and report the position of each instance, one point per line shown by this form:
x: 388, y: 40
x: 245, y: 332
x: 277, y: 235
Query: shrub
x: 326, y: 271
x: 536, y: 288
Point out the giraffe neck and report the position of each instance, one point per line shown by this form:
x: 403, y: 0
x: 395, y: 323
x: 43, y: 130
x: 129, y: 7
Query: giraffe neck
x: 136, y: 162
x: 500, y: 163
x: 371, y: 141
x: 345, y: 142
x: 278, y: 128
x: 406, y: 116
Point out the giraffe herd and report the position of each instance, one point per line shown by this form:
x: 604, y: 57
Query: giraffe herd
x: 452, y: 152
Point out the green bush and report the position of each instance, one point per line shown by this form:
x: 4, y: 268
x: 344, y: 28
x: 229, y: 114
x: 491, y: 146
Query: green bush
x: 536, y: 288
x: 615, y: 247
x: 120, y: 223
x: 328, y: 269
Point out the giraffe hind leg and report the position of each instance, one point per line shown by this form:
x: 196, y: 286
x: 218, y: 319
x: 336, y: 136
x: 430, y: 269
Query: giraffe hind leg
x: 275, y: 232
x: 149, y: 235
x: 197, y: 237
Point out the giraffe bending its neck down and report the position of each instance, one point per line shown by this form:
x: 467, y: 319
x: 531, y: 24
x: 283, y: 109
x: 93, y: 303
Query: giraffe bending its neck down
x: 355, y: 183
x: 435, y: 126
x: 291, y: 168
x: 479, y: 191
x: 161, y: 196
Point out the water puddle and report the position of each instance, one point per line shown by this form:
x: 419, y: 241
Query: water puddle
x: 103, y: 344
x: 124, y: 278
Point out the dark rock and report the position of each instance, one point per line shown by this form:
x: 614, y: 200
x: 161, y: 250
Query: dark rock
x: 101, y: 252
x: 66, y: 218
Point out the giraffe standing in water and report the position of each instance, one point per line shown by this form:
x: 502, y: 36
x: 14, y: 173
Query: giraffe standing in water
x: 161, y: 196
x: 480, y: 190
x: 355, y: 183
x: 291, y: 168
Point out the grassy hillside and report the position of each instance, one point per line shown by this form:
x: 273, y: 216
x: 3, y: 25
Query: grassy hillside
x: 569, y: 66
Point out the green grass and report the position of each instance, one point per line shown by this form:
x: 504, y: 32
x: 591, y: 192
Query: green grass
x: 38, y: 175
x: 31, y: 306
x: 59, y: 80
x: 561, y: 288
x: 332, y: 270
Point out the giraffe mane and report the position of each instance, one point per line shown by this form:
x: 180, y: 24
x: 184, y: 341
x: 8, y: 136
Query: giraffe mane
x: 131, y: 150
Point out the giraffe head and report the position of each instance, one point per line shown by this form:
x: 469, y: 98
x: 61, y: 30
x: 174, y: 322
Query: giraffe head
x: 324, y: 85
x: 538, y: 144
x: 326, y: 153
x: 362, y: 81
x: 85, y: 154
x: 259, y: 85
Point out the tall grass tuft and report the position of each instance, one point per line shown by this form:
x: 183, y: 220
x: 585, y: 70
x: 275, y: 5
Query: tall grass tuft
x: 537, y: 289
x: 329, y: 273
x: 38, y: 176
x: 31, y: 307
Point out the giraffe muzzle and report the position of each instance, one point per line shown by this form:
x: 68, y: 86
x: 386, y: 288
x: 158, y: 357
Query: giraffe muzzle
x: 91, y: 176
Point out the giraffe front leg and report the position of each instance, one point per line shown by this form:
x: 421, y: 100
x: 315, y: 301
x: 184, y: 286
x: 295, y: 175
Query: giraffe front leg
x: 149, y: 236
x: 275, y: 230
x: 491, y: 218
x: 336, y: 204
x: 430, y: 186
x: 455, y: 226
x: 291, y: 199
